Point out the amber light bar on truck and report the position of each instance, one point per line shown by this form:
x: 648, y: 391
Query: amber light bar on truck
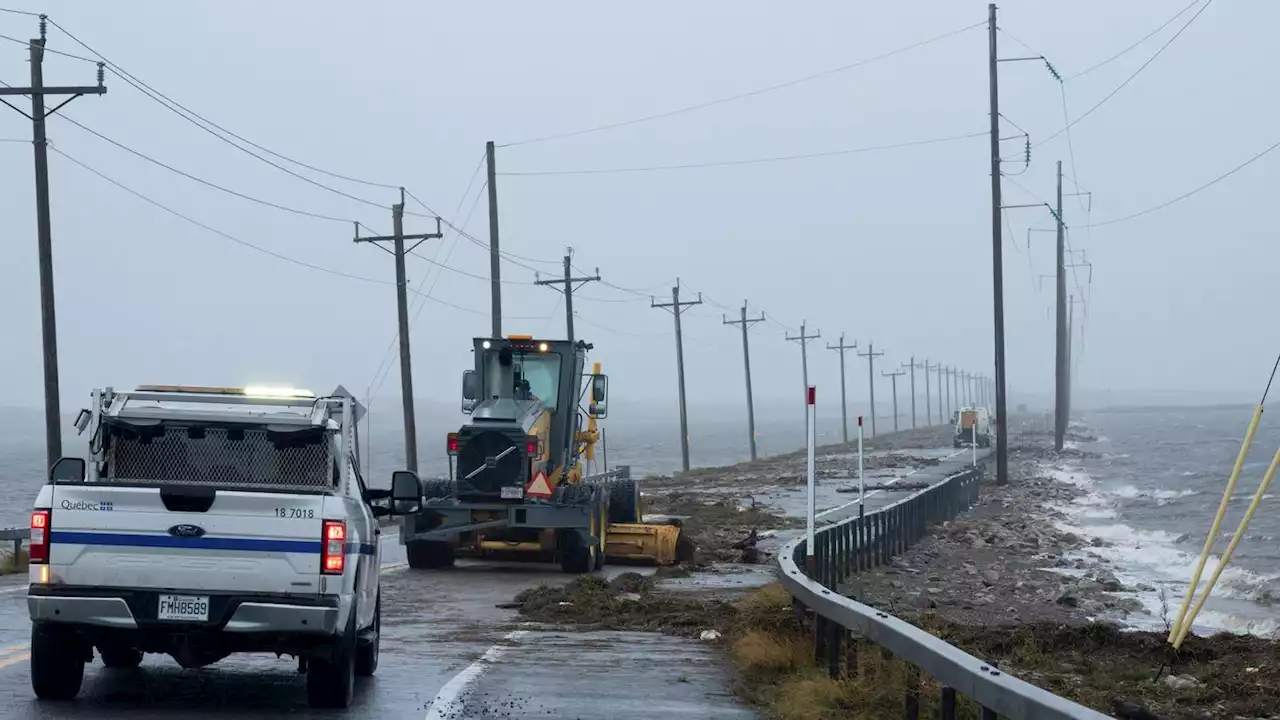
x: 247, y: 391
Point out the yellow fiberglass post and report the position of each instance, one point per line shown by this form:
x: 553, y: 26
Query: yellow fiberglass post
x: 1217, y: 523
x: 1231, y: 548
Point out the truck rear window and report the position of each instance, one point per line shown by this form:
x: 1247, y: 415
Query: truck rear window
x: 247, y: 458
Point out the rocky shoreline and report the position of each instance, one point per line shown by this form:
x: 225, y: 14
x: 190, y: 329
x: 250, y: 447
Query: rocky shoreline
x: 1005, y: 561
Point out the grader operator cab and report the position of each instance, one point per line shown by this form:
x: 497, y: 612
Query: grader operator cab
x: 522, y: 481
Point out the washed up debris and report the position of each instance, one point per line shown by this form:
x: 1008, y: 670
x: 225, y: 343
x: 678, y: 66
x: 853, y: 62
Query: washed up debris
x: 883, y: 486
x: 750, y: 553
x: 709, y: 635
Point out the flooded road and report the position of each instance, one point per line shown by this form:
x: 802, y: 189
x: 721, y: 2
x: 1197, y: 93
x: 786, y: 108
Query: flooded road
x: 447, y: 652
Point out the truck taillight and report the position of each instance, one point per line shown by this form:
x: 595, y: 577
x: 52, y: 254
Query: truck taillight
x: 38, y: 545
x: 531, y: 445
x: 451, y: 444
x: 334, y: 539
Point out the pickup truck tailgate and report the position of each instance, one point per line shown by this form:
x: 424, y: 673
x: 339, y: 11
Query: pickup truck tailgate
x: 241, y: 541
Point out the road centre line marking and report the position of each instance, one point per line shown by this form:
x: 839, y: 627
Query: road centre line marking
x: 449, y: 701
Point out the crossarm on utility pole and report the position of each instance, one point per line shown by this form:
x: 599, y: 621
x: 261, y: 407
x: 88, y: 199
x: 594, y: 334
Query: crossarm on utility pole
x: 844, y: 403
x: 871, y: 356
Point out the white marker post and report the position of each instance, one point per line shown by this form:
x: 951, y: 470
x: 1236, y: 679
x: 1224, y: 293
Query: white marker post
x: 862, y: 500
x: 810, y: 560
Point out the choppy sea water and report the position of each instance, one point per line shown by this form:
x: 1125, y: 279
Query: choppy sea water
x: 1151, y: 494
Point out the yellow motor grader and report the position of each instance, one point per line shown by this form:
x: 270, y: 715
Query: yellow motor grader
x: 522, y: 476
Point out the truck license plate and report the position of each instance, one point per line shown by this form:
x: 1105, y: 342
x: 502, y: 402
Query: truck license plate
x: 512, y: 493
x: 184, y: 607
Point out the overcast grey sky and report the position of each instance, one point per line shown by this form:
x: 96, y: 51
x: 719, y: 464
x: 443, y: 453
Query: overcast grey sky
x: 891, y: 246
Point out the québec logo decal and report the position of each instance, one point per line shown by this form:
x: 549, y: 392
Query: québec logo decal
x: 104, y: 506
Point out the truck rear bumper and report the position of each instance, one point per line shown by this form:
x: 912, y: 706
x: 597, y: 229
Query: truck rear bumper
x: 135, y: 610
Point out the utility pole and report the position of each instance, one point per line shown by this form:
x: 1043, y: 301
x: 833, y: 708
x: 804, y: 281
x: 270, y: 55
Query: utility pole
x: 844, y: 405
x: 893, y: 377
x: 966, y: 387
x: 397, y: 240
x: 928, y: 407
x: 1060, y: 354
x: 941, y: 413
x: 566, y: 284
x: 871, y: 356
x: 677, y: 308
x: 745, y: 323
x: 803, y: 338
x: 913, y: 367
x: 38, y: 91
x: 495, y: 265
x: 997, y: 259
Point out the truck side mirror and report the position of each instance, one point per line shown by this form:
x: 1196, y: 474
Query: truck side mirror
x: 406, y: 492
x: 599, y: 395
x: 67, y: 469
x: 470, y: 391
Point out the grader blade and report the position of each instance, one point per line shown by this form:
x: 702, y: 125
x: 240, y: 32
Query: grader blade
x: 647, y: 543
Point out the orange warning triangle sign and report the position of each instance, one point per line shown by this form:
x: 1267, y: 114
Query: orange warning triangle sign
x: 538, y: 487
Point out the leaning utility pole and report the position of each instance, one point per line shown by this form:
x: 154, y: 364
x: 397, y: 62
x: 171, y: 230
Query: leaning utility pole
x: 997, y: 259
x: 566, y: 284
x: 803, y: 338
x: 871, y: 356
x: 928, y: 407
x: 402, y: 311
x: 38, y: 91
x: 745, y: 323
x: 913, y: 367
x: 677, y: 308
x: 893, y: 376
x: 844, y: 405
x: 495, y: 265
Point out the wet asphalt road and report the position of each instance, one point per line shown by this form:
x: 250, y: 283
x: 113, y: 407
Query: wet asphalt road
x: 437, y: 627
x: 447, y: 653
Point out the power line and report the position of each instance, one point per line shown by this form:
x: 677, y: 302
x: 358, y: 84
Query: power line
x: 1144, y: 38
x: 27, y: 43
x: 131, y: 79
x: 216, y: 231
x: 19, y: 12
x: 744, y: 95
x: 202, y: 181
x: 746, y: 161
x: 1184, y: 196
x: 1129, y: 79
x: 509, y: 256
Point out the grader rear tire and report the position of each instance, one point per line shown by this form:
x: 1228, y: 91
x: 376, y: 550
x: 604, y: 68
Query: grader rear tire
x: 624, y: 501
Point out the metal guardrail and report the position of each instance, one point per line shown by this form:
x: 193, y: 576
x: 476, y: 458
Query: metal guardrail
x: 17, y: 536
x: 844, y: 549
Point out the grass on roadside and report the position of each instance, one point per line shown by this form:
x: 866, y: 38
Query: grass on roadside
x: 9, y: 567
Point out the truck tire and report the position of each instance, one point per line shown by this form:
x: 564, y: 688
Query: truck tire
x: 576, y: 556
x: 624, y: 501
x: 57, y: 662
x: 331, y: 680
x: 367, y: 652
x: 429, y: 554
x: 117, y: 657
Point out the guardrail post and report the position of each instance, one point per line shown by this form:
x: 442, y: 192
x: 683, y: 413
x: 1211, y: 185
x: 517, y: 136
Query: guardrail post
x: 948, y: 703
x: 911, y: 703
x: 850, y: 654
x: 819, y: 638
x: 17, y: 550
x: 833, y: 650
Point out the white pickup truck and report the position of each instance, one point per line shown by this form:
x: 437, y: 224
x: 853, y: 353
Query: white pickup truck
x: 210, y: 521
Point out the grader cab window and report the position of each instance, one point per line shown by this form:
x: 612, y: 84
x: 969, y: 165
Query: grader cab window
x: 535, y: 375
